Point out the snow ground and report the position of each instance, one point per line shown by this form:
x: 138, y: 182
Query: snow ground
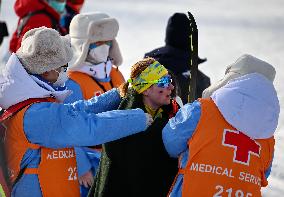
x: 227, y: 29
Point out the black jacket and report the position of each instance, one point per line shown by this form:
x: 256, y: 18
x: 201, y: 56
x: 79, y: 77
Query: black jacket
x: 177, y: 61
x: 137, y: 165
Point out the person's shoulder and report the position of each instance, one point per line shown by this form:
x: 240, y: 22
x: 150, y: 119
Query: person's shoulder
x: 155, y: 52
x: 116, y: 76
x: 115, y: 69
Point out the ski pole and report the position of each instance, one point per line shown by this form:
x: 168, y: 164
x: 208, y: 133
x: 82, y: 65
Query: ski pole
x: 193, y: 61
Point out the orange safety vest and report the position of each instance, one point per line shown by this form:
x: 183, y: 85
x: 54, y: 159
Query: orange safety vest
x: 57, y: 171
x: 222, y: 160
x: 90, y: 87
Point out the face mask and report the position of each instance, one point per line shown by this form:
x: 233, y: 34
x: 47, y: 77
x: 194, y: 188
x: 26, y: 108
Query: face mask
x: 98, y: 54
x: 58, y: 6
x: 62, y: 78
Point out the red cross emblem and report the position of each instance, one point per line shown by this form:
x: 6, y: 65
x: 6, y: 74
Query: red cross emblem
x: 243, y: 146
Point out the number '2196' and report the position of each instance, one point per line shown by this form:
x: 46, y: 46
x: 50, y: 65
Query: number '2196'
x: 231, y: 193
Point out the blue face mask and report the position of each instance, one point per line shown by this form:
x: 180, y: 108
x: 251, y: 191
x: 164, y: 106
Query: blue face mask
x: 58, y: 6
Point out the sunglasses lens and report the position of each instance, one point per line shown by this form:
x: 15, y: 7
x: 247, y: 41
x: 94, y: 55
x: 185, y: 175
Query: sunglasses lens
x: 164, y: 82
x: 162, y: 85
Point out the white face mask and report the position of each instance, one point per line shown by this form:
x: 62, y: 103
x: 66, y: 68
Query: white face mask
x: 62, y: 78
x: 99, y: 54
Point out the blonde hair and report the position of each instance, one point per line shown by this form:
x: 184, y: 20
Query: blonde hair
x: 136, y: 70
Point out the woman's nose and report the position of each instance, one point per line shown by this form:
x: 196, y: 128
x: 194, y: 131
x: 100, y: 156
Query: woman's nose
x: 171, y: 86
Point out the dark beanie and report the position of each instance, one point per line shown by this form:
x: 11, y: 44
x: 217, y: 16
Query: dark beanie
x: 177, y: 31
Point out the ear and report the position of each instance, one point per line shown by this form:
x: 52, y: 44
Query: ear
x: 48, y: 75
x: 146, y: 92
x: 45, y: 74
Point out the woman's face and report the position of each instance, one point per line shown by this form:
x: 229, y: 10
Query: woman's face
x: 157, y: 96
x: 52, y: 75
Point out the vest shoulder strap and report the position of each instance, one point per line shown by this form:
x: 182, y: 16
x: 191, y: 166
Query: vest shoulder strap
x: 26, y: 18
x: 17, y: 107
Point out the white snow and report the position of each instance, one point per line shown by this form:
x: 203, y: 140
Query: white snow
x: 227, y: 29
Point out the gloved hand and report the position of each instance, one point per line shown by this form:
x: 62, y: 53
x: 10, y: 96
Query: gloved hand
x: 149, y: 119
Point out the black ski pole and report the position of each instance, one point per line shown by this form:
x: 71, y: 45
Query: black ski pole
x: 193, y: 62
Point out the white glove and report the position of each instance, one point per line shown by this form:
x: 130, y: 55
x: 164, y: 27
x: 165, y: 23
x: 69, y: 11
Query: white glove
x: 149, y: 119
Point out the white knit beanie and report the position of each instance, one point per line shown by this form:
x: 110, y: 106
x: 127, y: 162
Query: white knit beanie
x: 89, y: 28
x: 245, y: 64
x: 43, y: 49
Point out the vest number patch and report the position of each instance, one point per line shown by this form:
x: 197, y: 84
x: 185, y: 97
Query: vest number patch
x: 221, y: 191
x: 72, y: 173
x: 243, y: 146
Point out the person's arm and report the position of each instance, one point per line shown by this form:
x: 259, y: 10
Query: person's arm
x: 76, y: 91
x: 56, y: 125
x: 180, y: 128
x: 83, y: 163
x: 84, y: 167
x: 109, y: 100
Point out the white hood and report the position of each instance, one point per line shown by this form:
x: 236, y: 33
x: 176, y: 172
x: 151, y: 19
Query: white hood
x: 250, y: 104
x: 16, y: 85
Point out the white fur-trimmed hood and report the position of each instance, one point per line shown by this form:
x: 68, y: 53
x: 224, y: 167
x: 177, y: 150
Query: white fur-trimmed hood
x: 16, y: 85
x: 250, y: 104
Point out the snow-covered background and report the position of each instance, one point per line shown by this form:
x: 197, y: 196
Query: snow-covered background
x: 227, y: 29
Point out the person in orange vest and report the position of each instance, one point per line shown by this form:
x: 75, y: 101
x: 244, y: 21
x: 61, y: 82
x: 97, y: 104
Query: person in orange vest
x: 41, y: 130
x: 4, y: 186
x: 93, y: 71
x: 225, y: 140
x: 34, y: 14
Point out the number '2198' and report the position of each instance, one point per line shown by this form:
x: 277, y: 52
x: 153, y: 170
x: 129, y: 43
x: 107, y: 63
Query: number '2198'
x: 231, y: 193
